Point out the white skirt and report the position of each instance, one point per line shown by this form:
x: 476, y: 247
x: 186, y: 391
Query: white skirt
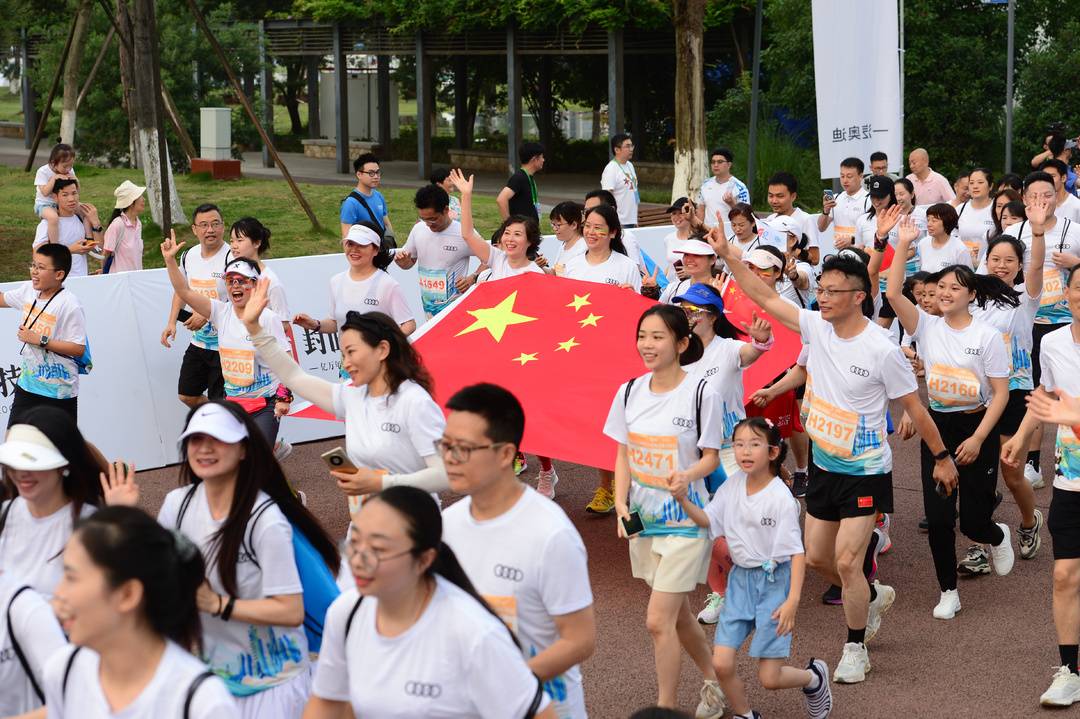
x: 285, y: 701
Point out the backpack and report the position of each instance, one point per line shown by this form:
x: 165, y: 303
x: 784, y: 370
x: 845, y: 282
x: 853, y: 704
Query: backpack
x: 389, y: 242
x: 18, y: 650
x: 319, y: 583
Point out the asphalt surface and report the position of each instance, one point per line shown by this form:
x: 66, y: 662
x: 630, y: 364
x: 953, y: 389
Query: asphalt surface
x: 993, y: 660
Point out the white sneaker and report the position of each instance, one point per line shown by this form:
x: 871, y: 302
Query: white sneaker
x: 301, y: 496
x: 948, y: 605
x: 886, y: 595
x: 854, y: 664
x: 1063, y: 691
x: 712, y: 702
x: 819, y: 701
x: 1002, y: 554
x: 714, y: 604
x: 545, y: 483
x: 1033, y: 476
x: 282, y: 450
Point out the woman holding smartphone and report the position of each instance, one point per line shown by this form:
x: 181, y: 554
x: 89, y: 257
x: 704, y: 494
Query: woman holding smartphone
x: 655, y: 420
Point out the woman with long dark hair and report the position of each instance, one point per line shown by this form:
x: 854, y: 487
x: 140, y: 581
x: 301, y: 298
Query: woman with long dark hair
x: 413, y: 638
x: 51, y: 479
x: 128, y: 603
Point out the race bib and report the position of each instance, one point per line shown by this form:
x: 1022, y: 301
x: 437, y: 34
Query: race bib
x: 506, y: 608
x: 238, y: 367
x: 843, y: 233
x: 435, y: 288
x: 951, y: 386
x: 974, y: 249
x: 206, y: 288
x: 652, y: 459
x: 1053, y: 289
x: 44, y: 323
x: 831, y: 428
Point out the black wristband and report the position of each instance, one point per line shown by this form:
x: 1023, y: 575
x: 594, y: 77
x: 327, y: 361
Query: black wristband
x: 941, y: 455
x: 229, y: 606
x: 220, y: 602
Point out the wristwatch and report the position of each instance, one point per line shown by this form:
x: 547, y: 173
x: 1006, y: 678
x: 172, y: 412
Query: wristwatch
x: 99, y: 228
x: 43, y: 341
x: 941, y: 455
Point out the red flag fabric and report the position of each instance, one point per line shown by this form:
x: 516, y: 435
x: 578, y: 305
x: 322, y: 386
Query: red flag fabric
x: 886, y: 261
x: 785, y: 350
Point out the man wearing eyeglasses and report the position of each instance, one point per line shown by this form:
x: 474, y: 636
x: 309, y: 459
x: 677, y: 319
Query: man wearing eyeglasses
x: 204, y: 268
x: 365, y: 202
x: 518, y: 548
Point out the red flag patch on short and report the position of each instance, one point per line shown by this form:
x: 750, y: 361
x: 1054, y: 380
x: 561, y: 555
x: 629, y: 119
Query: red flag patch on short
x: 866, y: 502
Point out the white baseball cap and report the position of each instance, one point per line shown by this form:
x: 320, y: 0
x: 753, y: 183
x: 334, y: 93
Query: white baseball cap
x: 362, y: 236
x: 783, y: 223
x: 215, y: 421
x: 243, y: 267
x: 695, y: 247
x: 763, y: 259
x: 127, y: 193
x: 28, y: 449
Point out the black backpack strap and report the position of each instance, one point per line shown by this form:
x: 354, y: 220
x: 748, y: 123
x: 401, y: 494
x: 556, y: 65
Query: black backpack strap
x: 18, y: 650
x: 249, y: 540
x: 192, y: 688
x: 963, y: 206
x: 371, y: 213
x: 537, y: 698
x: 184, y: 504
x: 67, y: 671
x: 352, y: 613
x: 626, y: 394
x: 1066, y: 224
x: 4, y: 514
x: 699, y: 397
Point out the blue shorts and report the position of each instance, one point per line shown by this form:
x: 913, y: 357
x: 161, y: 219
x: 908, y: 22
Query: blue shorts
x: 749, y: 603
x: 39, y: 206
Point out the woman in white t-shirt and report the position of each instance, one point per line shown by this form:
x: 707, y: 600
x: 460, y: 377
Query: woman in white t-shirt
x: 128, y: 603
x: 744, y: 225
x: 669, y: 433
x: 967, y: 381
x: 681, y: 232
x: 53, y: 475
x: 250, y: 239
x: 975, y: 216
x: 566, y: 218
x: 29, y: 635
x: 414, y: 639
x: 941, y: 247
x: 519, y: 238
x: 247, y: 382
x: 605, y: 260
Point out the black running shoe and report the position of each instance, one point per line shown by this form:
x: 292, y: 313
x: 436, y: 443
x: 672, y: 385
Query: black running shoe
x: 799, y: 482
x: 924, y: 525
x: 833, y: 595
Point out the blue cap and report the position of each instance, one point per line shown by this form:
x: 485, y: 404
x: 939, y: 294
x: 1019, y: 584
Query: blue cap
x: 702, y: 295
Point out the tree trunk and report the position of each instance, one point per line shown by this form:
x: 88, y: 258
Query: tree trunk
x: 71, y: 72
x: 691, y: 161
x: 147, y: 105
x: 127, y: 82
x: 594, y: 136
x: 295, y: 80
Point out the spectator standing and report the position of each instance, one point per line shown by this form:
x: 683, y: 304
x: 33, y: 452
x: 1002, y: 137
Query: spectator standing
x: 519, y: 196
x: 621, y: 180
x: 930, y: 187
x: 123, y: 243
x: 365, y: 202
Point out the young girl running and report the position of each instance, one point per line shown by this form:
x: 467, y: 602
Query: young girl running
x: 668, y: 430
x: 128, y: 602
x: 760, y: 519
x: 967, y: 370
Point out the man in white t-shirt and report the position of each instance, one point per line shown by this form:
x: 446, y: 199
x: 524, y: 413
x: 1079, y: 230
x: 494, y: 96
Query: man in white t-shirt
x: 722, y: 191
x: 204, y: 268
x: 72, y: 228
x: 843, y: 210
x: 620, y: 179
x: 52, y: 334
x: 853, y: 372
x: 783, y: 191
x: 435, y: 242
x: 518, y: 548
x: 1067, y: 204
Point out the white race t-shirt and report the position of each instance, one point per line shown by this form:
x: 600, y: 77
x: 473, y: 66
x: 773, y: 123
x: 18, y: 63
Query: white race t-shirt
x: 959, y: 363
x: 39, y: 635
x: 206, y: 276
x: 1059, y: 358
x: 430, y: 670
x: 661, y: 436
x: 806, y: 220
x: 395, y: 432
x: 759, y: 527
x: 849, y: 383
x: 278, y: 301
x: 1069, y: 209
x: 42, y: 177
x: 711, y: 195
x: 32, y: 548
x: 378, y: 293
x: 61, y: 317
x: 954, y: 252
x: 499, y: 266
x: 617, y: 269
x: 674, y: 289
x: 787, y: 289
x: 974, y: 227
x: 442, y: 258
x: 1014, y: 324
x: 846, y: 214
x: 249, y: 657
x: 568, y: 253
x: 622, y: 182
x: 530, y: 565
x: 70, y: 232
x: 721, y: 366
x: 162, y: 698
x: 245, y: 375
x: 633, y: 249
x: 1064, y: 236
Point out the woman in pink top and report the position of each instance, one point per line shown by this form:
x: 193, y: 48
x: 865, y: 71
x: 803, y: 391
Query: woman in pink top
x: 123, y: 244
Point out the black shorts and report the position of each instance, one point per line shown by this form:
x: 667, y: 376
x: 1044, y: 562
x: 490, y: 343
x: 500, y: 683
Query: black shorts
x: 831, y: 496
x: 1014, y: 412
x: 886, y: 309
x: 201, y: 372
x: 1064, y: 523
x: 24, y: 401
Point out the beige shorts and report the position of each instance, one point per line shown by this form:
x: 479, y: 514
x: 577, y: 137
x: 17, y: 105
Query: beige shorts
x: 670, y: 563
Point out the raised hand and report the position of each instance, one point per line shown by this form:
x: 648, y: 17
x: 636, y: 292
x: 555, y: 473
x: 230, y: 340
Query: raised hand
x: 887, y: 219
x: 1038, y: 212
x: 759, y: 329
x: 256, y: 303
x: 170, y: 247
x: 118, y: 485
x: 463, y: 185
x: 908, y: 230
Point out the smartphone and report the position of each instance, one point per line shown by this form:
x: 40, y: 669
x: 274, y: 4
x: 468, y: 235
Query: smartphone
x: 336, y: 459
x: 633, y: 525
x: 828, y: 194
x: 183, y: 315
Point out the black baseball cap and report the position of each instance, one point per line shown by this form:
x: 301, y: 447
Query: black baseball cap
x: 880, y: 186
x: 678, y: 204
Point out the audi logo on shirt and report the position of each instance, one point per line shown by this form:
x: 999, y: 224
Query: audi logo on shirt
x: 370, y: 301
x: 391, y: 427
x: 682, y: 422
x: 512, y: 573
x: 425, y: 690
x: 973, y: 351
x: 859, y: 371
x: 454, y: 248
x: 767, y: 522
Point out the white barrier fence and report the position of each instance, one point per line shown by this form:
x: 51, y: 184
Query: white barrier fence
x: 128, y: 405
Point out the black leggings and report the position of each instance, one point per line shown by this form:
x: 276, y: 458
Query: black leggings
x: 978, y: 482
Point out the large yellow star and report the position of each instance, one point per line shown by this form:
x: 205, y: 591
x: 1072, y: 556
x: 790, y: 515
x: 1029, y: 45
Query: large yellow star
x: 524, y: 358
x: 568, y: 345
x: 591, y: 320
x: 580, y: 301
x: 496, y: 319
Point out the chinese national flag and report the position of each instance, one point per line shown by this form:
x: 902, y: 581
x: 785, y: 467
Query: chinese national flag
x: 887, y: 261
x: 561, y: 346
x: 740, y: 309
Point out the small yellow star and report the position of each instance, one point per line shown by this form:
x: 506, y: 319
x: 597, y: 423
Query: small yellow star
x: 580, y: 301
x: 525, y: 358
x: 496, y: 319
x: 568, y: 345
x: 591, y: 320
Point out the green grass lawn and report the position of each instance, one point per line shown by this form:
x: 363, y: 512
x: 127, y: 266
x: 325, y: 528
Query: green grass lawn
x: 10, y: 107
x: 268, y: 200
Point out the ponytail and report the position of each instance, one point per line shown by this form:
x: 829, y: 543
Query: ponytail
x: 675, y: 320
x: 987, y: 288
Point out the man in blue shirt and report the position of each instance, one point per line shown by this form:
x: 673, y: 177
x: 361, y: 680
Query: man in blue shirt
x: 372, y: 206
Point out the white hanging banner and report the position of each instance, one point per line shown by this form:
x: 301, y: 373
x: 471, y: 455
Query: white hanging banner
x: 857, y: 79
